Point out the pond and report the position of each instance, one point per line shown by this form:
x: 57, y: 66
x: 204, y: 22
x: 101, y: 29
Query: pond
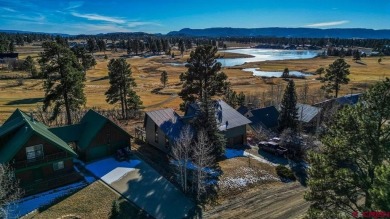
x: 266, y: 54
x: 257, y: 72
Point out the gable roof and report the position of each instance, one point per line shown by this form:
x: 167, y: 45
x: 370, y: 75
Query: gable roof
x: 227, y: 117
x: 26, y: 127
x: 69, y: 133
x: 242, y: 110
x: 350, y: 99
x: 307, y: 112
x: 168, y: 121
x: 92, y: 123
x: 266, y: 117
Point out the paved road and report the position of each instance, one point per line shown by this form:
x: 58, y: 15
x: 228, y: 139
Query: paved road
x: 153, y: 193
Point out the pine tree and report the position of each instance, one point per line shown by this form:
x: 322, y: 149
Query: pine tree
x: 336, y: 74
x: 241, y: 99
x: 11, y: 46
x: 288, y: 108
x: 29, y: 66
x: 203, y: 74
x: 164, y: 78
x: 207, y: 121
x: 351, y: 172
x: 64, y: 85
x: 121, y: 86
x: 286, y: 73
x: 91, y: 45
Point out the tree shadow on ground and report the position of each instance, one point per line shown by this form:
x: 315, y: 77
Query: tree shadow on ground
x: 25, y: 101
x: 299, y: 169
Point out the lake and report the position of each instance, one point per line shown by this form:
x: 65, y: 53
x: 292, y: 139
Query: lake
x: 266, y: 54
x: 257, y: 72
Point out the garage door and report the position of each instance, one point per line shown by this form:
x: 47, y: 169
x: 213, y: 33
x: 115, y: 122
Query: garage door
x: 97, y: 152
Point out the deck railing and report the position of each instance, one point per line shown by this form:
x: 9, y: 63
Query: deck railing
x: 39, y: 160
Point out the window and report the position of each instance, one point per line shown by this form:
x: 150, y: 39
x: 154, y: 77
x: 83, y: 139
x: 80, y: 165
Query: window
x: 34, y: 152
x: 156, y: 133
x: 58, y: 165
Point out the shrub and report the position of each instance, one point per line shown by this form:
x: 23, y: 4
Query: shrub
x: 284, y: 172
x: 115, y: 210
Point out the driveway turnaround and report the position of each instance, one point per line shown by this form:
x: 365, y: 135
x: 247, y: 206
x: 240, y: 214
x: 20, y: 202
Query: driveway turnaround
x: 144, y: 186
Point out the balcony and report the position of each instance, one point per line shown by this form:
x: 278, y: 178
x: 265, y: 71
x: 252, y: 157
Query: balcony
x: 63, y: 179
x: 39, y: 160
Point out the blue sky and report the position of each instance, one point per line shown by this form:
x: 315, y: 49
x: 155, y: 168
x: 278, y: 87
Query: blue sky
x: 162, y: 16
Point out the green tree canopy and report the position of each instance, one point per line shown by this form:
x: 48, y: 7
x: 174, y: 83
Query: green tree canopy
x: 351, y: 172
x: 203, y: 75
x: 29, y: 66
x: 121, y: 86
x: 164, y: 78
x: 64, y: 76
x: 336, y: 75
x: 288, y: 108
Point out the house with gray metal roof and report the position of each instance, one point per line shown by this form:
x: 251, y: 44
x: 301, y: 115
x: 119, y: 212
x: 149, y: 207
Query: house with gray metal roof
x: 230, y: 122
x: 308, y: 116
x: 162, y: 127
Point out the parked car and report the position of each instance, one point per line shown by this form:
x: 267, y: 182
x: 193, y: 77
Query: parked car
x: 272, y: 147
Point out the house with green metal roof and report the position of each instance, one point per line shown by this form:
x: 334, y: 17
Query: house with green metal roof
x: 40, y: 158
x: 94, y: 137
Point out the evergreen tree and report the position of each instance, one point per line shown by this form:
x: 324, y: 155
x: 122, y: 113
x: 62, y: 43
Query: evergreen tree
x: 11, y: 46
x: 288, y: 108
x: 320, y: 71
x: 286, y: 73
x: 336, y: 74
x: 203, y: 75
x: 121, y: 86
x: 241, y: 99
x: 231, y: 98
x: 164, y: 78
x: 351, y: 172
x: 64, y: 76
x: 356, y: 55
x: 91, y: 45
x: 207, y: 121
x: 86, y: 60
x: 29, y: 66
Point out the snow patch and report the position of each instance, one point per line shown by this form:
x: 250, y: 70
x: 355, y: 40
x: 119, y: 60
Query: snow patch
x: 245, y: 176
x: 111, y: 170
x: 31, y: 203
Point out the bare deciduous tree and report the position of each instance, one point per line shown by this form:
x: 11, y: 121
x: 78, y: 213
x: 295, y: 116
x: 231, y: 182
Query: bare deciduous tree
x: 203, y: 159
x: 9, y: 190
x: 181, y: 153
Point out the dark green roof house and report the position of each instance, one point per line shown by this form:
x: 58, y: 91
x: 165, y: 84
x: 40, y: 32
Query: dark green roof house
x: 94, y: 137
x: 40, y: 158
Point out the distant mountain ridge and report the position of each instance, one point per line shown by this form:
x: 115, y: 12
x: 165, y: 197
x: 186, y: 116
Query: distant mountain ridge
x: 251, y: 32
x: 22, y: 31
x: 284, y: 32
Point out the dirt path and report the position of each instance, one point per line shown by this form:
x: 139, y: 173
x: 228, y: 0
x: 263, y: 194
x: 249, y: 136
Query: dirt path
x: 285, y: 201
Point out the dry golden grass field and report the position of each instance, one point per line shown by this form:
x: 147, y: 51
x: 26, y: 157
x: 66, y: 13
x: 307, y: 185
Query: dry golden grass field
x: 146, y: 72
